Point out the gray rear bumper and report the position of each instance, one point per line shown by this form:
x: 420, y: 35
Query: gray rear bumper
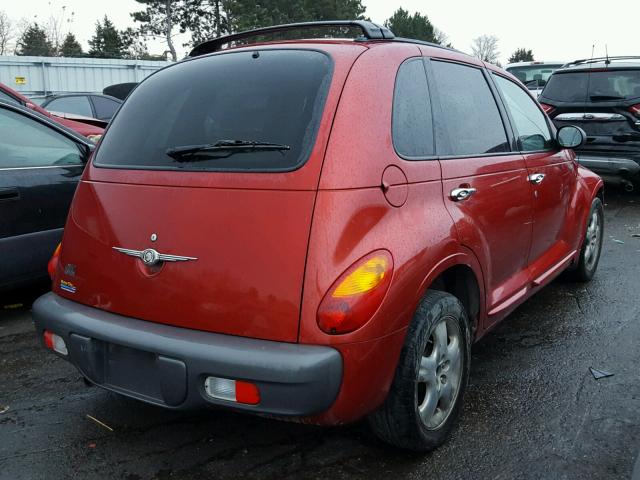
x: 167, y: 365
x: 611, y: 166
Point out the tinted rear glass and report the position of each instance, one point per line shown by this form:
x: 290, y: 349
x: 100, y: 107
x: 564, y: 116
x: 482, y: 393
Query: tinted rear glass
x: 533, y: 76
x: 412, y: 124
x: 603, y: 86
x: 274, y: 96
x: 105, y: 107
x: 470, y: 115
x: 77, y: 105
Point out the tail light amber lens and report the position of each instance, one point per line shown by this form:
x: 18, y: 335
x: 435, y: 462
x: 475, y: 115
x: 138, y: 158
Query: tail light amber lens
x: 53, y: 263
x: 356, y: 295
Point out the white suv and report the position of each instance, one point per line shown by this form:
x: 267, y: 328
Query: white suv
x: 533, y: 75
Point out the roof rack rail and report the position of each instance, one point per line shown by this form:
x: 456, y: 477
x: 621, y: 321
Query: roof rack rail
x: 425, y: 43
x: 607, y: 60
x: 370, y: 31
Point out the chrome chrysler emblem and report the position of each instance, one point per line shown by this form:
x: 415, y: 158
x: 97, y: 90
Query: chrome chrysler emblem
x: 152, y: 257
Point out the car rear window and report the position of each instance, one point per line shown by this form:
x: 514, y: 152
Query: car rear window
x: 603, y: 86
x: 533, y: 76
x: 274, y: 96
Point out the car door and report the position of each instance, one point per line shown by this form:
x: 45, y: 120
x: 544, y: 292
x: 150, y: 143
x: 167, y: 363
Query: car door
x: 485, y: 183
x: 39, y: 169
x: 552, y: 175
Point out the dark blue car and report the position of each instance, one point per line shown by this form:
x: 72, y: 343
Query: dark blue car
x: 40, y: 165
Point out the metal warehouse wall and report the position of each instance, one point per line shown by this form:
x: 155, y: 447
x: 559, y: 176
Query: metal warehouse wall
x: 43, y: 75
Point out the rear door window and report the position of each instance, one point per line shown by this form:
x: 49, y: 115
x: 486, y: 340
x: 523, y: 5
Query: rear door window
x: 470, y: 115
x: 77, y: 105
x: 412, y: 123
x: 274, y: 96
x: 532, y: 129
x: 603, y: 86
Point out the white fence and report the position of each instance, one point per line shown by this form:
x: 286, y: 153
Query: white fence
x: 45, y: 75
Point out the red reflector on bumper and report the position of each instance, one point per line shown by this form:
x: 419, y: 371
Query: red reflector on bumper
x: 247, y: 393
x: 55, y: 342
x: 232, y: 390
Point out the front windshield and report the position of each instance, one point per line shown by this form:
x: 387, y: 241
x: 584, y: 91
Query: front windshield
x: 533, y: 76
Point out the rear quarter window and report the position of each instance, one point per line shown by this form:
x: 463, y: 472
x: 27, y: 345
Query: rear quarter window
x: 412, y: 123
x: 274, y: 96
x: 105, y: 107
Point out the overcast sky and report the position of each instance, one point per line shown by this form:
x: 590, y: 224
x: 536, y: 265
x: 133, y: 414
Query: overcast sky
x: 553, y: 29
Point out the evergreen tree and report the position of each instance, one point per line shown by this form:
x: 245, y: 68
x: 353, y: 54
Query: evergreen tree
x: 34, y: 42
x: 521, y: 55
x: 415, y: 26
x: 71, y: 47
x: 160, y: 17
x: 107, y: 42
x: 207, y: 19
x: 246, y: 14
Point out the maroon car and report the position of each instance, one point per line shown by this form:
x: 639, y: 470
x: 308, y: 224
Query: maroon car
x: 88, y: 129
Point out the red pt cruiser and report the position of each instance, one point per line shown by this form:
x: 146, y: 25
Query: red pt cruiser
x: 316, y: 229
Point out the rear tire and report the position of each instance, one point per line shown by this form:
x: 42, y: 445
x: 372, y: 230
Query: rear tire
x: 587, y: 264
x: 426, y: 396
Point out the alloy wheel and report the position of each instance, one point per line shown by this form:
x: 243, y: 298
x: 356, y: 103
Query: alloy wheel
x: 440, y: 373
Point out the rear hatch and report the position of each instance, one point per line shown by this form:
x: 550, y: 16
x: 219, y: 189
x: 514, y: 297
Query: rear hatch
x: 604, y: 102
x: 215, y: 160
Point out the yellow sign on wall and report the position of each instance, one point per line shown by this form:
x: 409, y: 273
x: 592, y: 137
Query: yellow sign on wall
x: 21, y: 80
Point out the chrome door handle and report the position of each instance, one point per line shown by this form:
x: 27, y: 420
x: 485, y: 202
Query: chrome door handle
x: 460, y: 194
x: 536, y: 178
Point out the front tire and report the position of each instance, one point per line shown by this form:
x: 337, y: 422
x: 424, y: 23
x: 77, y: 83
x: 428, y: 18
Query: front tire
x: 426, y: 396
x: 587, y: 264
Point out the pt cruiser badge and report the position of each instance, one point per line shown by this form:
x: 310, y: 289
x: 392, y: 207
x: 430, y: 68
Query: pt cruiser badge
x: 152, y: 257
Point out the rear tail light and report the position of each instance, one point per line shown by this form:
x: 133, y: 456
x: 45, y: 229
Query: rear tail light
x: 548, y: 109
x: 635, y: 109
x: 53, y: 263
x: 232, y: 390
x: 356, y: 295
x: 55, y: 342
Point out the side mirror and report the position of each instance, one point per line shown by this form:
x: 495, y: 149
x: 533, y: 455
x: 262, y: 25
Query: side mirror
x: 571, y: 137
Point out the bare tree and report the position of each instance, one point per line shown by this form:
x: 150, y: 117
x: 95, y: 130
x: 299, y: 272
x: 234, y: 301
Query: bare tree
x: 485, y: 47
x: 58, y: 25
x: 6, y: 33
x: 441, y: 37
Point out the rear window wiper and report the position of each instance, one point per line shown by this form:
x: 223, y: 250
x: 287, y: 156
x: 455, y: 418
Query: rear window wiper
x: 220, y: 149
x: 604, y: 98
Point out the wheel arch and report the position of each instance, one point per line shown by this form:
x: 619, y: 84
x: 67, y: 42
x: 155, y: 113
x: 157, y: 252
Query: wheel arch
x: 460, y: 275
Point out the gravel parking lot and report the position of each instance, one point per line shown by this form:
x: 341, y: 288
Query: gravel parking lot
x: 533, y: 409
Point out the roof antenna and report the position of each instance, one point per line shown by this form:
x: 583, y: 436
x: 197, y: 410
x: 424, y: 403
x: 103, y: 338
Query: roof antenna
x: 606, y: 49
